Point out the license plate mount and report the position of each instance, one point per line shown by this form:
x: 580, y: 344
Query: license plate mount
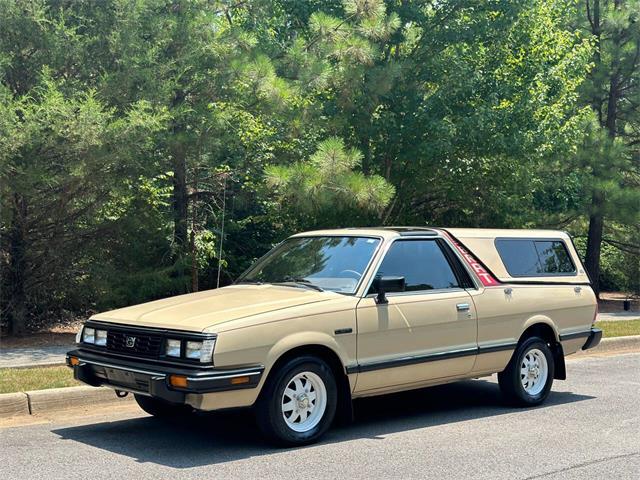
x: 121, y: 377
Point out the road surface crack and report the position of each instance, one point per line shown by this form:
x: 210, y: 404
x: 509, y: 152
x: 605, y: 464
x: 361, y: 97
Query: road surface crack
x: 585, y: 464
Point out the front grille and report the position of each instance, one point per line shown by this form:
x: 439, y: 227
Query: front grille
x: 143, y: 345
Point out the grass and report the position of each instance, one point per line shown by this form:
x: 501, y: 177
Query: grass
x: 40, y: 378
x: 37, y: 378
x: 622, y: 328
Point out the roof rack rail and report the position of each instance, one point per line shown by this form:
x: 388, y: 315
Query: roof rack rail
x: 413, y: 231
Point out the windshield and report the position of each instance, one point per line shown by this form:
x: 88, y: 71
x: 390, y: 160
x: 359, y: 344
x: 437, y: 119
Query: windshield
x: 330, y: 263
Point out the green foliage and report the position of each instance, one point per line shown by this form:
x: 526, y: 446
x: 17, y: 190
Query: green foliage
x: 128, y: 126
x: 620, y: 269
x: 328, y: 180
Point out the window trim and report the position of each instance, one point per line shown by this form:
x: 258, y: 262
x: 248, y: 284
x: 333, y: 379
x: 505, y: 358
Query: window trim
x: 442, y: 245
x: 457, y: 265
x: 410, y: 293
x: 573, y: 273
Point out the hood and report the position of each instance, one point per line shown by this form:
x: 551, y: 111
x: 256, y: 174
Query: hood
x: 197, y: 311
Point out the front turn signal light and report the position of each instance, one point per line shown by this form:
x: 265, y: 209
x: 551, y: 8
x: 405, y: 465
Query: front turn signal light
x: 239, y: 380
x: 178, y: 381
x: 73, y: 361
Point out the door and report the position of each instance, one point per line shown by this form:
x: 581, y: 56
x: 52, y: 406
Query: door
x: 426, y: 332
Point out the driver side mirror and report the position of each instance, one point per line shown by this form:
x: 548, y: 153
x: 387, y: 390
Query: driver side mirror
x: 385, y: 284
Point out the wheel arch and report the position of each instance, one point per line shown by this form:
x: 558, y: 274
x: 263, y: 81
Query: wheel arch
x: 544, y: 328
x: 325, y: 352
x: 541, y: 325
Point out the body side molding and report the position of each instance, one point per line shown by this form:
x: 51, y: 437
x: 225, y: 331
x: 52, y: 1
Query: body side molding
x: 430, y: 357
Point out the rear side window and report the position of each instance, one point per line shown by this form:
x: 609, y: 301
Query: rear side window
x: 421, y: 262
x: 535, y: 258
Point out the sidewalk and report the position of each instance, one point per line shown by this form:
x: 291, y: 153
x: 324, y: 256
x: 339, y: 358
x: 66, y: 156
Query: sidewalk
x: 33, y: 356
x: 618, y: 316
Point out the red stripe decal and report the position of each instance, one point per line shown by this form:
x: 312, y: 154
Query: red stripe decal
x: 485, y: 277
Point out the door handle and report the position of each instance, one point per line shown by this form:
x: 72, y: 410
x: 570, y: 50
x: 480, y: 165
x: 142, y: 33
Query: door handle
x: 462, y: 307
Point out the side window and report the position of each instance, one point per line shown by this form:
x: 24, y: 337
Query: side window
x: 554, y: 257
x: 421, y: 262
x: 532, y: 258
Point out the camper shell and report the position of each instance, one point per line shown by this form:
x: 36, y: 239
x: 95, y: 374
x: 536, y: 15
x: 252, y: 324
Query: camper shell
x: 491, y: 247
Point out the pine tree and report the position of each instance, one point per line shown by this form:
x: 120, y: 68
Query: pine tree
x: 613, y: 152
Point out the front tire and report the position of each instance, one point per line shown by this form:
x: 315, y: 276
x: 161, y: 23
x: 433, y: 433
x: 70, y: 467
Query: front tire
x: 527, y: 380
x: 298, y: 404
x: 159, y: 408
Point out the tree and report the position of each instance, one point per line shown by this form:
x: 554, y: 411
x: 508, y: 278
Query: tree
x: 613, y: 92
x: 149, y: 148
x: 456, y: 104
x: 329, y: 181
x: 58, y: 159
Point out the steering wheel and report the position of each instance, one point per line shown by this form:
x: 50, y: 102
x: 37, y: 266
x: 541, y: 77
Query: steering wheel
x: 352, y: 273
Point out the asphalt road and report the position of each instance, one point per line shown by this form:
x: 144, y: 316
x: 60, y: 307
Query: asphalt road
x: 589, y: 428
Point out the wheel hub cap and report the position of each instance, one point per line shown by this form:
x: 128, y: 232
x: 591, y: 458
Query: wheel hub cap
x: 304, y: 401
x: 534, y: 371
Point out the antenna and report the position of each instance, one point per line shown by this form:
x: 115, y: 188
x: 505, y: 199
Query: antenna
x: 224, y: 206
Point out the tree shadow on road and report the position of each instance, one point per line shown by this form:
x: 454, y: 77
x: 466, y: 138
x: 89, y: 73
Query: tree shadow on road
x: 219, y: 437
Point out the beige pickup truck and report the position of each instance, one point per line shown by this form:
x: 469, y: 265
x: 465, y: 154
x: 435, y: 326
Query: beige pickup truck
x: 332, y: 315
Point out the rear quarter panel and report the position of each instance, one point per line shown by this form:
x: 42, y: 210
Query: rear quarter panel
x: 503, y: 316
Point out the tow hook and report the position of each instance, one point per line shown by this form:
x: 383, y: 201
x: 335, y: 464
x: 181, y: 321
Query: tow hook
x: 121, y: 394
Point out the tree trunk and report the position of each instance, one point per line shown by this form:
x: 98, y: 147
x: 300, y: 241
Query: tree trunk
x: 594, y: 241
x: 17, y: 267
x: 365, y: 146
x: 192, y: 238
x: 596, y: 30
x: 180, y: 198
x: 194, y: 263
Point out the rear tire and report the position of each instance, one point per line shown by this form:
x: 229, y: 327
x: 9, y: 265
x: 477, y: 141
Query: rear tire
x: 161, y: 409
x: 298, y: 403
x: 527, y: 380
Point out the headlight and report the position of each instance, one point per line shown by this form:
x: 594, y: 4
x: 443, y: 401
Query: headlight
x: 173, y: 348
x: 202, y: 351
x: 193, y: 350
x: 101, y: 338
x: 89, y: 335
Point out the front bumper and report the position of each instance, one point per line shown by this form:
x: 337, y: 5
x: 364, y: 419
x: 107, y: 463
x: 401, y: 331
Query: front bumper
x: 594, y: 339
x: 153, y: 380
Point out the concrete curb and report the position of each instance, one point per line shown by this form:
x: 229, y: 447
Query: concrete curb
x: 14, y: 404
x: 56, y: 399
x: 616, y: 344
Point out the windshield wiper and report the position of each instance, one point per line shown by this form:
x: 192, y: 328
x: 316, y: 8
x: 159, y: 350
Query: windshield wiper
x: 252, y: 282
x: 303, y: 282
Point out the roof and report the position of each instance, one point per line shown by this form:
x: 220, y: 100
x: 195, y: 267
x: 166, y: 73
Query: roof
x: 506, y: 232
x: 406, y: 231
x: 384, y: 232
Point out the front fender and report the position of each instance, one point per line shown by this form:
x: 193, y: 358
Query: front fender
x: 303, y: 339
